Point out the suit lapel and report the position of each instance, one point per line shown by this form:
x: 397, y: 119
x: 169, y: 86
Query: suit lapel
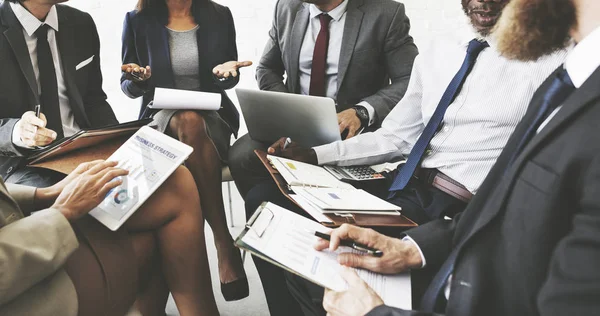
x: 497, y: 196
x: 578, y: 101
x: 160, y: 58
x: 297, y: 37
x: 354, y: 18
x: 66, y: 46
x: 14, y: 36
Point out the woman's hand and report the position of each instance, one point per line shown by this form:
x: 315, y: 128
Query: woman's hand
x: 136, y: 73
x: 230, y: 68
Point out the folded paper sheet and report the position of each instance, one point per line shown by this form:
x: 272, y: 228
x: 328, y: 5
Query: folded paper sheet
x: 174, y: 99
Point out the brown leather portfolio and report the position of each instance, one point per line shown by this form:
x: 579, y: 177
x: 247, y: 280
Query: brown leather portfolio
x: 69, y: 161
x: 363, y: 220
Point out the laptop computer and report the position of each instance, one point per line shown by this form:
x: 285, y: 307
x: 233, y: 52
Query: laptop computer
x: 310, y: 121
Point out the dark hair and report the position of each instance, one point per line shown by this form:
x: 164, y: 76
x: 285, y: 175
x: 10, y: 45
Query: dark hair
x: 158, y: 8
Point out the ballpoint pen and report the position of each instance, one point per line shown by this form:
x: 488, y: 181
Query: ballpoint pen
x: 38, y: 109
x: 288, y: 141
x: 354, y: 245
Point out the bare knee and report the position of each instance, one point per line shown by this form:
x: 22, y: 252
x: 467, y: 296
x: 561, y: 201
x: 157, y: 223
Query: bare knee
x: 188, y: 125
x: 183, y: 191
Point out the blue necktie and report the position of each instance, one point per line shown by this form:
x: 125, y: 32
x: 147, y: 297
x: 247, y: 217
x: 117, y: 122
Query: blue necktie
x: 557, y: 93
x: 416, y: 154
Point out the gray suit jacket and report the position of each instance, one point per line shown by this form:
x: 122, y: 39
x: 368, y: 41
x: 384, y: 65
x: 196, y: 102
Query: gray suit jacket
x: 376, y: 48
x: 32, y: 251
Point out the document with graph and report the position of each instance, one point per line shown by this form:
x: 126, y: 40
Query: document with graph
x: 286, y: 239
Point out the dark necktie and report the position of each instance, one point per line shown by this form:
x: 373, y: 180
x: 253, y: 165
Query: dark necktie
x: 319, y: 61
x: 48, y: 82
x: 557, y: 93
x: 416, y: 154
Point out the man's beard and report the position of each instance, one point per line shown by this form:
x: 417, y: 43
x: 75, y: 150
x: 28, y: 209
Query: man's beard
x: 530, y: 29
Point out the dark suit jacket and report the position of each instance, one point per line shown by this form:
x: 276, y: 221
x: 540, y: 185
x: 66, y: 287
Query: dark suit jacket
x: 531, y: 236
x: 77, y: 42
x: 376, y: 47
x: 146, y: 42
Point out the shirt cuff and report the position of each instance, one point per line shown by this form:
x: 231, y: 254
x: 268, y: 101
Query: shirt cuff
x: 407, y: 238
x: 325, y: 154
x: 371, y: 111
x: 16, y: 139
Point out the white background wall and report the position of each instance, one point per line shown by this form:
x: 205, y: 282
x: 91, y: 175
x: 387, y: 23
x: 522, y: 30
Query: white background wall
x: 253, y: 20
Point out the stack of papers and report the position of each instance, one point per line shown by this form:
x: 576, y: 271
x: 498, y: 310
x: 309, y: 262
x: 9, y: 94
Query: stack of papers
x: 319, y: 192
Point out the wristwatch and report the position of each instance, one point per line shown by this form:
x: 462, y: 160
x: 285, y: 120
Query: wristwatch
x: 363, y: 115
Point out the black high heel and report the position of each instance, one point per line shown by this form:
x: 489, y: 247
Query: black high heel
x: 235, y: 290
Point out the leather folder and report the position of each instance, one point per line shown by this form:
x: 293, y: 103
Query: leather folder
x: 363, y: 220
x: 87, y: 145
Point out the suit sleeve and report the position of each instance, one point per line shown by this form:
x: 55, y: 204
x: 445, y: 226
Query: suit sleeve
x: 231, y: 54
x: 23, y: 195
x: 7, y: 148
x: 384, y: 310
x: 97, y: 108
x: 129, y: 56
x: 399, y: 53
x: 31, y: 249
x: 270, y: 69
x: 573, y: 281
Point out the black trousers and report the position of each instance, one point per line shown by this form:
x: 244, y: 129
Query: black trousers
x: 419, y: 201
x: 35, y: 177
x: 246, y: 169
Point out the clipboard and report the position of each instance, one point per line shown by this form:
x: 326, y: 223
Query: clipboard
x: 249, y: 227
x: 395, y: 290
x: 86, y: 145
x: 362, y: 220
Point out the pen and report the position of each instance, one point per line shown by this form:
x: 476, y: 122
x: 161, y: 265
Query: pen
x: 288, y: 141
x: 38, y: 109
x: 354, y: 245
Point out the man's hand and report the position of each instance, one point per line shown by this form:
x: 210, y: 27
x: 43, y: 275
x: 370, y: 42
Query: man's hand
x: 357, y: 300
x: 44, y: 197
x: 136, y: 73
x: 88, y: 189
x: 398, y: 256
x: 230, y: 68
x: 293, y: 151
x: 348, y: 120
x: 32, y: 130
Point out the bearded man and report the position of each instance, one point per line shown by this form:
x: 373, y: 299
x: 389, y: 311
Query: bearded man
x: 463, y: 102
x: 528, y: 243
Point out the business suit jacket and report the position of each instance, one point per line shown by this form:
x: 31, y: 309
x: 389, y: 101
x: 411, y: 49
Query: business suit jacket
x: 77, y: 41
x: 146, y: 43
x: 376, y: 48
x: 529, y: 241
x: 32, y: 251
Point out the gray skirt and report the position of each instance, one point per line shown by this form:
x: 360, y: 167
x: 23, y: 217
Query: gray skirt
x: 216, y: 128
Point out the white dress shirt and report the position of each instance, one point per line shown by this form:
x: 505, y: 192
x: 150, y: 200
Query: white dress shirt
x: 30, y: 24
x: 580, y: 64
x: 476, y: 125
x: 336, y: 33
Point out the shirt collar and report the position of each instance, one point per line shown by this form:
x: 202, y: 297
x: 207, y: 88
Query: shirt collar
x: 335, y: 14
x: 30, y: 23
x: 471, y: 34
x: 584, y: 59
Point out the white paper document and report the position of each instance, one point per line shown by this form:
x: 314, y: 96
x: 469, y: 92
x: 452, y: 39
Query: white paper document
x: 288, y: 239
x: 352, y: 201
x: 176, y: 99
x: 298, y: 173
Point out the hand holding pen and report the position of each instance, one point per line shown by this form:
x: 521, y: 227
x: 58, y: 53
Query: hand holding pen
x: 136, y: 73
x: 393, y: 255
x: 31, y: 129
x: 287, y: 148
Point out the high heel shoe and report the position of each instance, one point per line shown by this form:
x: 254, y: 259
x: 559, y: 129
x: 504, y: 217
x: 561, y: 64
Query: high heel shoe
x: 235, y: 290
